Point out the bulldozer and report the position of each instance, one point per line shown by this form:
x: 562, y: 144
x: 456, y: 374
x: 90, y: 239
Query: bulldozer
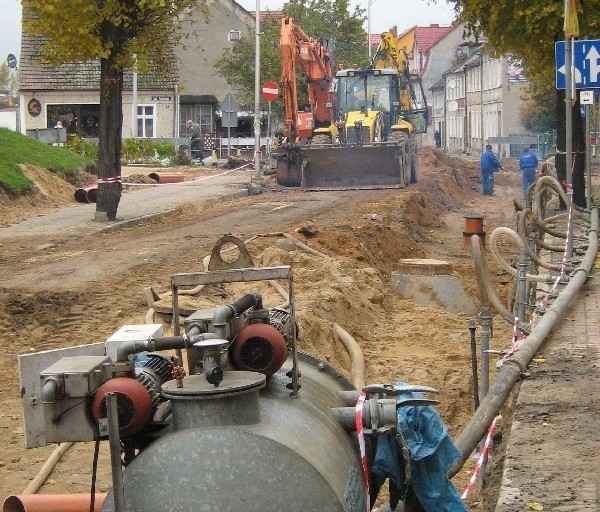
x: 372, y: 142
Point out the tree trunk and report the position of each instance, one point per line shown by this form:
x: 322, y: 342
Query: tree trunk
x: 110, y: 140
x: 578, y: 175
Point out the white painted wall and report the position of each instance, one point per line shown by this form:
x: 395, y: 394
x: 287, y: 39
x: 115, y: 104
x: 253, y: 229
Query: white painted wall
x: 8, y: 119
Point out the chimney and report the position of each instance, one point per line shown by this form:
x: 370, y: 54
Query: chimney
x: 435, y: 25
x: 394, y: 31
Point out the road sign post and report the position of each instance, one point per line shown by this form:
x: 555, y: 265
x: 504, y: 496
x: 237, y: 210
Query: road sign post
x: 270, y: 92
x: 229, y: 117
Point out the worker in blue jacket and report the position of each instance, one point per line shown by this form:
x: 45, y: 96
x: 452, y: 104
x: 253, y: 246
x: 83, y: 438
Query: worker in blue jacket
x: 489, y: 166
x: 528, y: 164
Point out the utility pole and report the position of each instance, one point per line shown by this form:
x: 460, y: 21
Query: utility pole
x: 257, y: 96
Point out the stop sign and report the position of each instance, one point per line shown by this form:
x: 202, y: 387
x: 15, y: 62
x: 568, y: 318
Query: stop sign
x: 270, y: 91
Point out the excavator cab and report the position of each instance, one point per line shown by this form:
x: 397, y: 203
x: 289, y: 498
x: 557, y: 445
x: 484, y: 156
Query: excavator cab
x: 378, y: 91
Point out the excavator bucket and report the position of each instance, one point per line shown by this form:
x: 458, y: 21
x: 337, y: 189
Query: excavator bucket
x: 355, y: 167
x: 290, y: 159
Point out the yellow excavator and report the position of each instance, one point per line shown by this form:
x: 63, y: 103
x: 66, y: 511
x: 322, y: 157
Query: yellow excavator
x: 373, y: 143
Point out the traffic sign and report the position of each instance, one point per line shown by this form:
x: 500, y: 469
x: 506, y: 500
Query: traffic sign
x: 586, y: 64
x: 11, y: 60
x: 586, y: 98
x: 270, y: 91
x: 229, y: 112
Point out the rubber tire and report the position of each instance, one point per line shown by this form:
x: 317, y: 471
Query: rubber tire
x: 402, y: 138
x: 414, y: 159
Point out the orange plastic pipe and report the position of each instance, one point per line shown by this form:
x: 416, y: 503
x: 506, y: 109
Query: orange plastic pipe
x: 52, y: 503
x: 87, y: 194
x: 166, y: 177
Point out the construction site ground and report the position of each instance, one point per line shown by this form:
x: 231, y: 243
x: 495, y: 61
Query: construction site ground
x: 66, y: 279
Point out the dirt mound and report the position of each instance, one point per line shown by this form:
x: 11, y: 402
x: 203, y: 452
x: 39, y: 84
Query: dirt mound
x: 50, y: 192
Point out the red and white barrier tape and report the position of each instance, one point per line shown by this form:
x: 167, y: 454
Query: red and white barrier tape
x: 114, y: 179
x: 117, y: 179
x: 361, y: 443
x: 481, y: 460
x: 517, y: 340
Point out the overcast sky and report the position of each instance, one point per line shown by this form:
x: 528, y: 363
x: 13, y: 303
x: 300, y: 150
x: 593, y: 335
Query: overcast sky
x: 384, y: 15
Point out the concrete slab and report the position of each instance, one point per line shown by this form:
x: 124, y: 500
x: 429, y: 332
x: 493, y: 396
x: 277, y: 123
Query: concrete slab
x: 432, y: 282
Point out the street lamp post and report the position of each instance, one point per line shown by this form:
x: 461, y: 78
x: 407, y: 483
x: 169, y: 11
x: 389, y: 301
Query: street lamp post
x: 257, y: 95
x: 369, y: 3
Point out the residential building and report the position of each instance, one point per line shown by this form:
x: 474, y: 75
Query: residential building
x: 206, y: 36
x: 69, y: 93
x: 430, y: 50
x: 155, y: 105
x: 476, y: 101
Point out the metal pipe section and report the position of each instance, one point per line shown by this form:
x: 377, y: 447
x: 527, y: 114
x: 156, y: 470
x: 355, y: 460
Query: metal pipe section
x: 522, y: 288
x: 224, y: 313
x: 77, y: 502
x: 157, y: 344
x: 357, y: 359
x: 49, y: 390
x: 114, y: 439
x: 511, y: 372
x: 474, y: 363
x: 588, y: 160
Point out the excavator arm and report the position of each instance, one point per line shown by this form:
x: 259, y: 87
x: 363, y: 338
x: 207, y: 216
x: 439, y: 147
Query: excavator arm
x: 305, y: 54
x: 300, y: 52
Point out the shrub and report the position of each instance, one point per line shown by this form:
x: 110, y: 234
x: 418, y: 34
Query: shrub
x: 164, y: 150
x: 81, y: 147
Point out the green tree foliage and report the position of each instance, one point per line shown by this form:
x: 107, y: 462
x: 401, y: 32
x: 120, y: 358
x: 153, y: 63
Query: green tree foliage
x: 340, y: 30
x: 528, y: 29
x: 4, y: 76
x: 113, y: 31
x: 9, y: 81
x: 537, y: 117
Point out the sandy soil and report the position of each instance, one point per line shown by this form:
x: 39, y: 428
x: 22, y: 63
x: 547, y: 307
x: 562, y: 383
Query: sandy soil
x: 401, y: 339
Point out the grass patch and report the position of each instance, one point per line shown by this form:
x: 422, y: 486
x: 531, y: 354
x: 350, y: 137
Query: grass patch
x: 18, y: 149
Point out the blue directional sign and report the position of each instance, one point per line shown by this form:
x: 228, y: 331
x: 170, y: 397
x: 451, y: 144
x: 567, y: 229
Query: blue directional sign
x: 586, y: 64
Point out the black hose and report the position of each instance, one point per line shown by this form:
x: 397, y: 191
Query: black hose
x: 169, y: 343
x: 246, y: 302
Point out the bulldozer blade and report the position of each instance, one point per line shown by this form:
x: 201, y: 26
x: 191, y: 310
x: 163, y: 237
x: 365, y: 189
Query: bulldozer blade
x: 353, y: 167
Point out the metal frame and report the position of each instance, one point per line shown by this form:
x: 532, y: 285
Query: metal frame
x: 243, y: 275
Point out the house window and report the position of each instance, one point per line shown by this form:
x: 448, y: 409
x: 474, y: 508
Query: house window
x: 201, y: 114
x: 80, y: 119
x: 145, y: 121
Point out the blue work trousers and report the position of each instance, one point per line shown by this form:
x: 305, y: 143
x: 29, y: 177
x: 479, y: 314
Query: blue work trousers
x: 487, y: 181
x: 528, y: 178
